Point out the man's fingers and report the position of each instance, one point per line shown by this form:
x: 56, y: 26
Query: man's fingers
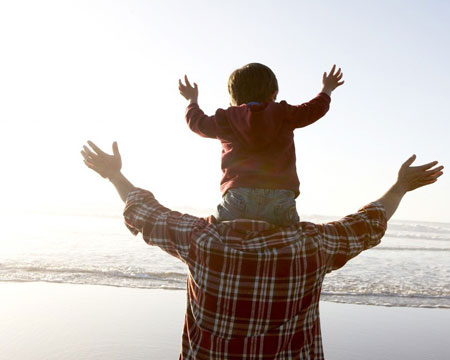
x: 89, y: 152
x: 115, y: 149
x: 429, y: 177
x: 434, y: 175
x: 338, y: 72
x: 435, y: 170
x: 93, y: 167
x: 85, y: 155
x: 426, y: 182
x: 96, y: 148
x: 427, y: 166
x: 408, y: 162
x: 439, y: 174
x: 88, y: 164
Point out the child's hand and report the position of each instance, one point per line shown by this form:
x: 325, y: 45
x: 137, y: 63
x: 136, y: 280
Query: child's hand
x: 332, y: 80
x: 190, y: 93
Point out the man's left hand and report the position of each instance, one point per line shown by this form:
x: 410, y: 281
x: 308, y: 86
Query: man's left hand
x: 108, y: 166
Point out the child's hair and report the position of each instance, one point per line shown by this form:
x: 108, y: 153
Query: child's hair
x: 252, y: 82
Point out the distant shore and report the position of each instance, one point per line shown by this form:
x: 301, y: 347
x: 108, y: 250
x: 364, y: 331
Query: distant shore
x: 68, y: 322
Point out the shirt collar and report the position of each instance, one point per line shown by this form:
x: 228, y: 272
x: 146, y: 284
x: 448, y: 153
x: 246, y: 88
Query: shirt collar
x: 246, y: 225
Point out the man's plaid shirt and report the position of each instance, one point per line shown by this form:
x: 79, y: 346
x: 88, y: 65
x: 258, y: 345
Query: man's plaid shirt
x: 253, y: 288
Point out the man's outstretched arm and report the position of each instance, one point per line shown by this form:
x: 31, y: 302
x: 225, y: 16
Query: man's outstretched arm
x: 108, y: 166
x: 344, y: 239
x: 169, y: 230
x: 409, y: 178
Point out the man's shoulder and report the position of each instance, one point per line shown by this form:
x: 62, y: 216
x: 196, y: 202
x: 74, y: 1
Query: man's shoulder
x: 262, y: 231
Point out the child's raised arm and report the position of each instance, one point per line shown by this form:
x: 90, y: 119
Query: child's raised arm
x: 332, y: 80
x: 196, y: 119
x: 308, y: 113
x: 188, y: 91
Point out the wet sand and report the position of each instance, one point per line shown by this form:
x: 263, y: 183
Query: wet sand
x: 68, y: 322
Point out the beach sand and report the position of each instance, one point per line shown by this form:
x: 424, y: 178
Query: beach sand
x: 68, y: 322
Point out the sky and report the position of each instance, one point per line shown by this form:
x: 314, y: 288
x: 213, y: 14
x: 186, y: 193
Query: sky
x: 72, y: 71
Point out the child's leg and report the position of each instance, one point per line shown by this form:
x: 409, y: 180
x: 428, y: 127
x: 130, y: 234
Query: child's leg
x: 273, y: 205
x: 233, y: 205
x: 285, y: 210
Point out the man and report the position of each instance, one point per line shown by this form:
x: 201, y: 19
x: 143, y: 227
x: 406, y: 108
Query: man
x: 253, y: 288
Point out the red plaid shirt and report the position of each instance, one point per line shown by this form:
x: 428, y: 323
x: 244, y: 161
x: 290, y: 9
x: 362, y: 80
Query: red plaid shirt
x: 253, y: 288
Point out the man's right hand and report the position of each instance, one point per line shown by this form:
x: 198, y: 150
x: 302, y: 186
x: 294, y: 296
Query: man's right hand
x: 409, y: 178
x: 108, y: 166
x: 414, y: 177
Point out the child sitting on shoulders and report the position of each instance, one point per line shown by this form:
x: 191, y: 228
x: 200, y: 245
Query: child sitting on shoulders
x: 259, y: 179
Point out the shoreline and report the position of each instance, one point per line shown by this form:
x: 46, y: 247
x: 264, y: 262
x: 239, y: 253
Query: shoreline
x: 48, y: 321
x: 325, y: 297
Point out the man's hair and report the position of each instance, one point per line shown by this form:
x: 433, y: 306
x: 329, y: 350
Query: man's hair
x: 252, y: 82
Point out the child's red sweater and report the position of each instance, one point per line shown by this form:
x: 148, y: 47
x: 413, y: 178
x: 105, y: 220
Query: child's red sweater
x: 258, y: 141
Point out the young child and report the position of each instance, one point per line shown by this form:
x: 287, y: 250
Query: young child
x: 257, y: 135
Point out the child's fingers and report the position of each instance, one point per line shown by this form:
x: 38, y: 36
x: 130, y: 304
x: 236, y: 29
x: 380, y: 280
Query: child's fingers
x: 186, y: 80
x: 332, y: 70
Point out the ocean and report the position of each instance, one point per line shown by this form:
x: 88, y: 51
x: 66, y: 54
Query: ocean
x: 410, y: 268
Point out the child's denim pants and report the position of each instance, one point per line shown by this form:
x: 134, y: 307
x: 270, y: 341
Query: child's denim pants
x: 271, y: 205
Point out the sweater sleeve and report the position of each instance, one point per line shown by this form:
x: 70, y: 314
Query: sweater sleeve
x: 201, y: 124
x: 344, y: 239
x: 309, y: 112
